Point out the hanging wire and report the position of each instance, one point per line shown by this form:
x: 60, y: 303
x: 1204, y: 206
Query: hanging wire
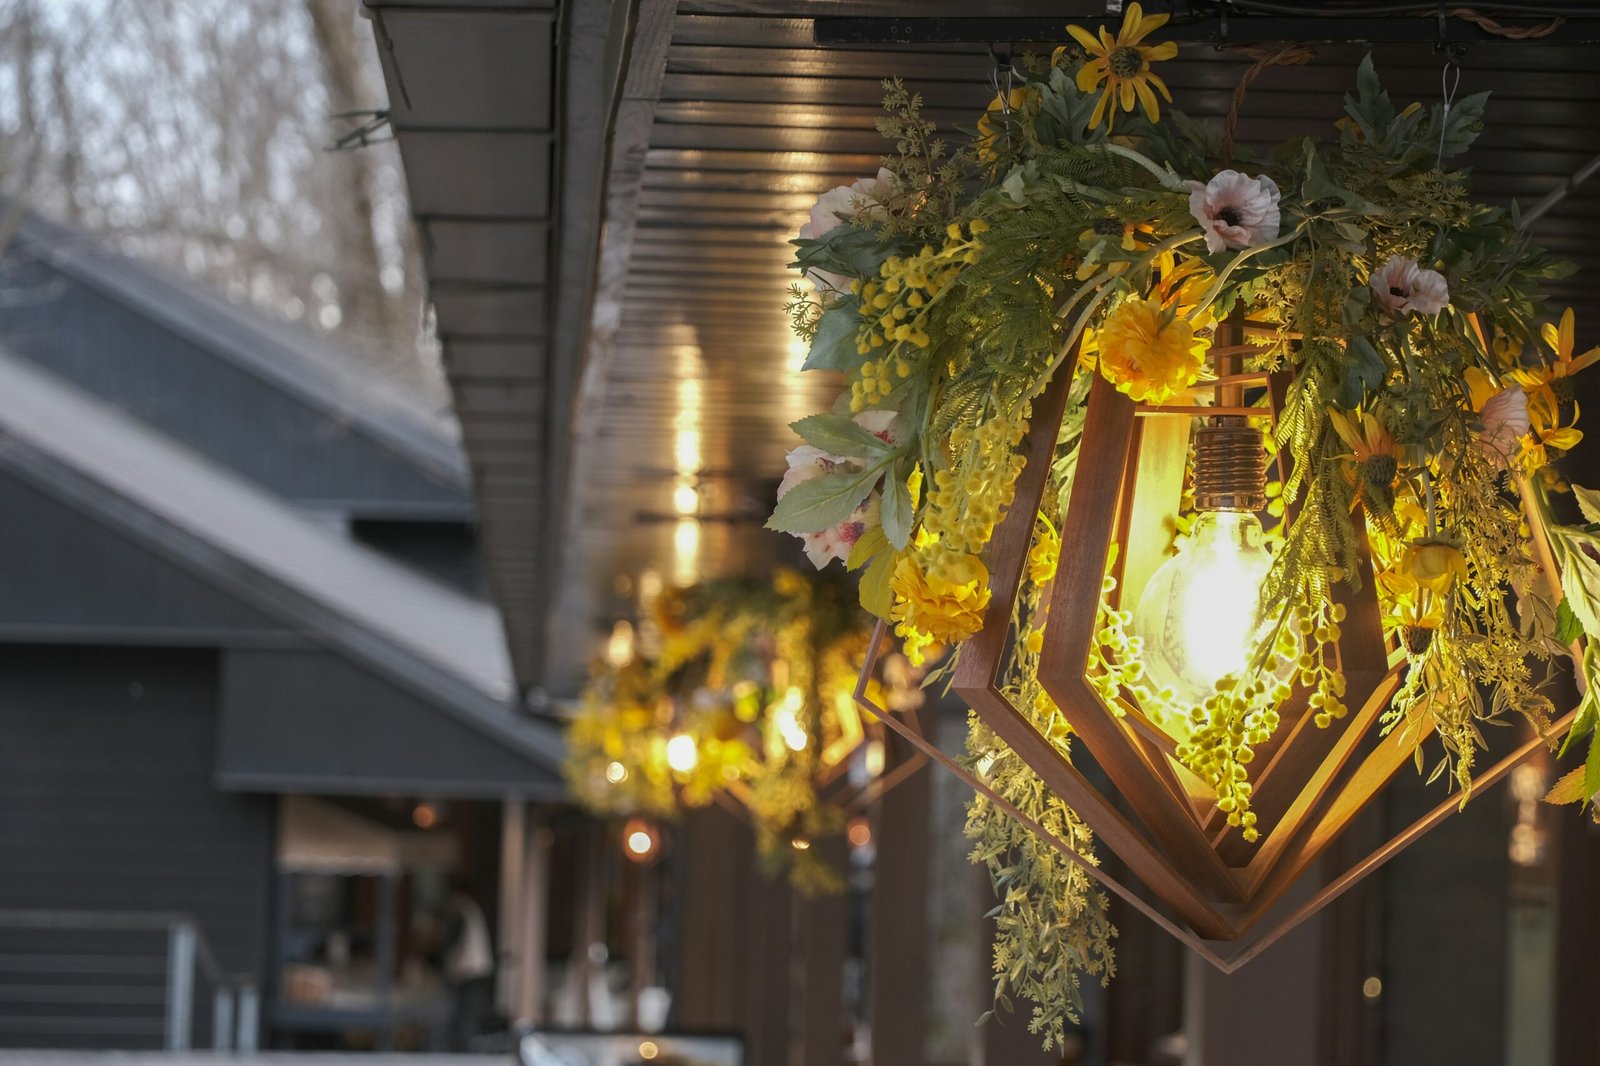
x: 1002, y: 76
x: 1447, y: 91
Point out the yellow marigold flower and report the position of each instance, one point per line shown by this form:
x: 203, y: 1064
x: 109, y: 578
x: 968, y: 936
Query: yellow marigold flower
x: 1122, y: 64
x: 943, y: 598
x: 1148, y: 352
x: 1434, y: 564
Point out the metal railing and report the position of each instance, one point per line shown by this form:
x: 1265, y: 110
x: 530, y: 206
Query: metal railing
x: 235, y: 1004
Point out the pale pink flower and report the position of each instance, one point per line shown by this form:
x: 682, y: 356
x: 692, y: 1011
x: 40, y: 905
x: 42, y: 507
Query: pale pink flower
x: 845, y: 203
x: 1505, y: 423
x: 1402, y: 287
x: 1235, y: 210
x: 807, y: 462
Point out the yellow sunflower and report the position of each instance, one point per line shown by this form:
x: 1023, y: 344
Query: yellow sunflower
x: 1373, y: 461
x: 1122, y: 64
x: 1434, y: 565
x: 1149, y: 352
x: 1546, y: 434
x: 1555, y: 376
x: 1103, y: 238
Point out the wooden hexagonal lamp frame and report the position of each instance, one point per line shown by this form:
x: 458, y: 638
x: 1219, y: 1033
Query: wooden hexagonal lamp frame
x: 1156, y: 817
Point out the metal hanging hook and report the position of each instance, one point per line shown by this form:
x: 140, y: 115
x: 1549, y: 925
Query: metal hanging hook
x: 1002, y: 76
x: 1447, y: 91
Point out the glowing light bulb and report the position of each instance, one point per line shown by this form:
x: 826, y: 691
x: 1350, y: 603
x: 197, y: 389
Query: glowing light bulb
x: 786, y: 720
x: 619, y: 646
x: 1199, y: 615
x: 641, y: 841
x: 682, y: 755
x: 616, y: 773
x: 874, y: 757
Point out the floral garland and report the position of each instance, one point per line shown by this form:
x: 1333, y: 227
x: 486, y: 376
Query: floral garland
x: 746, y: 692
x: 1426, y: 402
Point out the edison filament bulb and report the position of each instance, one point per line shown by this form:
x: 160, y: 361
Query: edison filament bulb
x: 1199, y: 616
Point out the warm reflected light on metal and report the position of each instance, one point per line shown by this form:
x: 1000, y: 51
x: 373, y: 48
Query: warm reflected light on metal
x: 798, y: 350
x: 686, y: 552
x: 686, y: 497
x: 686, y: 451
x: 1372, y: 987
x: 800, y: 844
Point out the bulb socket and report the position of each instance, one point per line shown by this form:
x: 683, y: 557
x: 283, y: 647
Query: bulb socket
x: 1230, y: 469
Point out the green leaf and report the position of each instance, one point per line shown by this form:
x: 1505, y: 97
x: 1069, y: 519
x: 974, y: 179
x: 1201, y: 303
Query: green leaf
x: 1579, y: 556
x: 823, y: 501
x: 1589, y: 709
x: 1370, y: 107
x: 876, y: 595
x: 897, y: 510
x: 833, y: 347
x: 1319, y: 185
x: 1591, y: 768
x: 1570, y: 789
x: 1364, y: 371
x: 1568, y: 628
x: 848, y: 249
x: 866, y: 546
x: 1461, y: 125
x: 1588, y: 503
x: 839, y: 435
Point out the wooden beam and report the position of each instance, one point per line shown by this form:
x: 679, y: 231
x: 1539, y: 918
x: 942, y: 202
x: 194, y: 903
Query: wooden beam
x: 898, y: 955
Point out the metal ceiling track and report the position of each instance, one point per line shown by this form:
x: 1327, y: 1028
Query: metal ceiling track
x: 1221, y: 27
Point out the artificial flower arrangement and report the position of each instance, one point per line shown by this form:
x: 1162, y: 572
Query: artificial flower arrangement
x: 744, y: 693
x: 1426, y: 400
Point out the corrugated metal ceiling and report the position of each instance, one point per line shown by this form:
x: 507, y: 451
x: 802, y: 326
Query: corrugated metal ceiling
x: 693, y: 375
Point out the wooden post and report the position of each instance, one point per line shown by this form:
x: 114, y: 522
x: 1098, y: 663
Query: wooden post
x: 897, y: 938
x: 513, y: 837
x: 823, y: 930
x: 533, y: 915
x: 1227, y: 1018
x: 717, y: 929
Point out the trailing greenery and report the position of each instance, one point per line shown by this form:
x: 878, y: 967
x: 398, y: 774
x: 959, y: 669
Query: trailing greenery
x: 1084, y: 231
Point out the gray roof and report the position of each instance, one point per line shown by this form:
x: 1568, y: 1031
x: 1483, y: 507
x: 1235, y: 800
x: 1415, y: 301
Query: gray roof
x: 422, y: 635
x: 311, y: 369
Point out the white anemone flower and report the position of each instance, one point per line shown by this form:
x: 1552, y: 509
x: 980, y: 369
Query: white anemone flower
x: 861, y: 199
x: 1235, y: 210
x: 1402, y: 287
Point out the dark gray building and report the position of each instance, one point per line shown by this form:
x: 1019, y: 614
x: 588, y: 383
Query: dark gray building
x: 250, y: 683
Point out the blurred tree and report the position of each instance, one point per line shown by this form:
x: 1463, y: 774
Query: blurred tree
x: 198, y: 133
